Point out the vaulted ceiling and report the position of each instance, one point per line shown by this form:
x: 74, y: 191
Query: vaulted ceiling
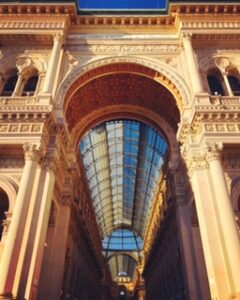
x: 122, y: 89
x: 123, y: 161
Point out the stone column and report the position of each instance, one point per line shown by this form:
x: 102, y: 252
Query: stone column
x: 51, y: 277
x: 192, y: 66
x: 53, y: 62
x: 210, y: 227
x: 41, y: 231
x: 29, y: 233
x: 178, y: 177
x: 229, y: 89
x: 14, y: 238
x: 226, y: 218
x: 18, y: 86
x: 188, y: 253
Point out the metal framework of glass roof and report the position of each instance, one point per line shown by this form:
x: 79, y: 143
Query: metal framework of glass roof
x: 122, y: 240
x: 123, y: 160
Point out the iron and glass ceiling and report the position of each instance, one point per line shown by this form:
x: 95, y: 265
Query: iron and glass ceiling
x: 123, y: 160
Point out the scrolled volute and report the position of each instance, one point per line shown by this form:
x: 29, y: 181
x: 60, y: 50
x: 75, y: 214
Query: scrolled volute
x: 213, y: 151
x: 32, y: 151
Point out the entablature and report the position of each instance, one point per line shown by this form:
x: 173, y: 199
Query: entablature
x: 210, y: 115
x: 32, y: 28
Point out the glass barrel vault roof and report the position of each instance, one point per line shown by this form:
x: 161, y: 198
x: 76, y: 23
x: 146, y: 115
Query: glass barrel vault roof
x: 123, y: 160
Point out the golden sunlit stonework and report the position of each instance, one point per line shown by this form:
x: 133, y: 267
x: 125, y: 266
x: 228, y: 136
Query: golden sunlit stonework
x: 84, y: 99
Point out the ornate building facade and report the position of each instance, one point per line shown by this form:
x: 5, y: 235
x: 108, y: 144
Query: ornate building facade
x: 119, y: 152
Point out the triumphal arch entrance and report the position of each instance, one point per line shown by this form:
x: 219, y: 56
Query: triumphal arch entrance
x: 119, y: 152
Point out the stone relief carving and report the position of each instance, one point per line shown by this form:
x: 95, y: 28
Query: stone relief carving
x: 213, y: 150
x: 23, y: 62
x: 222, y: 60
x: 126, y: 49
x: 32, y: 151
x: 222, y: 63
x: 11, y: 162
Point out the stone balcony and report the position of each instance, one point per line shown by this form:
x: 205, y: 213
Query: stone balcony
x: 25, y: 100
x: 25, y: 107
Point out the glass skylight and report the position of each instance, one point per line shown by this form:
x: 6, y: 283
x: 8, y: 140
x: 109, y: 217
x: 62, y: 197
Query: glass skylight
x: 122, y: 240
x: 123, y: 160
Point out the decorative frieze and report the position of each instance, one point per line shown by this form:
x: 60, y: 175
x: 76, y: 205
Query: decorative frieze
x: 8, y: 162
x: 119, y: 48
x: 21, y: 128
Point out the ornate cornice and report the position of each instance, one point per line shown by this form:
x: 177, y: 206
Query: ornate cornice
x: 212, y: 114
x: 188, y: 15
x: 37, y: 9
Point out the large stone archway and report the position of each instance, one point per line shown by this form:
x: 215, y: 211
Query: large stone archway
x: 155, y: 69
x: 120, y: 90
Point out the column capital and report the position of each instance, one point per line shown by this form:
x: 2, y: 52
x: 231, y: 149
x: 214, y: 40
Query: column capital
x: 187, y: 36
x: 58, y: 37
x: 32, y: 151
x: 213, y: 151
x: 196, y: 162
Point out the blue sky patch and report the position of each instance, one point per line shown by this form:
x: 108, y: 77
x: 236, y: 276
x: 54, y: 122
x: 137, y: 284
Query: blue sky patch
x: 122, y: 4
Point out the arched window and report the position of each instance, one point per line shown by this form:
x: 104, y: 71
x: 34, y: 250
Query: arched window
x: 4, y: 205
x: 235, y: 84
x: 30, y: 86
x: 9, y: 86
x: 215, y: 82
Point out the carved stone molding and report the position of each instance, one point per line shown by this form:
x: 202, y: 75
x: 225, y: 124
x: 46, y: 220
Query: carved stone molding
x: 214, y: 151
x: 195, y: 162
x: 159, y: 66
x: 11, y: 162
x: 23, y: 62
x: 223, y: 63
x: 49, y: 163
x: 32, y: 151
x: 187, y: 36
x: 58, y: 37
x: 114, y: 49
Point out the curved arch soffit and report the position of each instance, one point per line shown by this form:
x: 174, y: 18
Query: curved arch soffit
x: 120, y: 268
x: 170, y: 78
x: 10, y: 188
x: 134, y: 255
